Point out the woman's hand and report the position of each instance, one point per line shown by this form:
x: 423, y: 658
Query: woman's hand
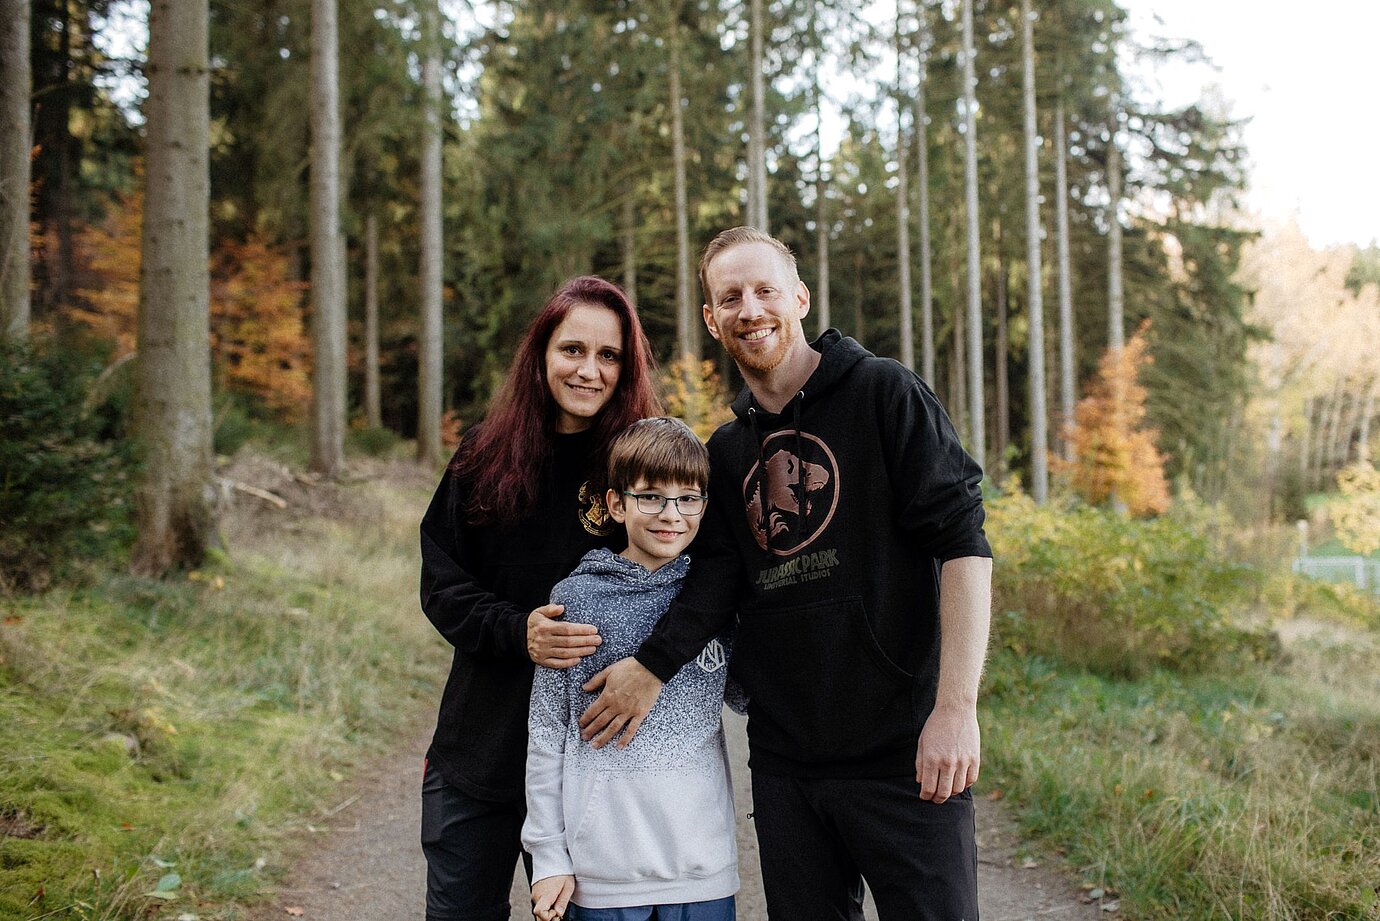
x: 550, y: 896
x: 556, y: 644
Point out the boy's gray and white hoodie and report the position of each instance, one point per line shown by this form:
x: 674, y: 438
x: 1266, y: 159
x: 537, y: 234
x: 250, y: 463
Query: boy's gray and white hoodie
x: 653, y: 823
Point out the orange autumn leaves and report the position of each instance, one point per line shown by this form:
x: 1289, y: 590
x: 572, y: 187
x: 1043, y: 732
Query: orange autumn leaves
x: 1115, y: 459
x: 258, y: 341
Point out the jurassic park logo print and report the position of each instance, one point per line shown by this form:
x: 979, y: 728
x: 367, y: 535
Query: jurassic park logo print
x: 791, y: 497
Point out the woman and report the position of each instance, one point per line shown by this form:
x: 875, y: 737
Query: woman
x: 520, y: 504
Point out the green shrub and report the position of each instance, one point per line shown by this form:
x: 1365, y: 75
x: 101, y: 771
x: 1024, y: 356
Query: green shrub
x: 64, y: 494
x: 1117, y: 596
x: 375, y: 442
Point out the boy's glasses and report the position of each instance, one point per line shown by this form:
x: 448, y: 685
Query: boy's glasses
x: 649, y: 503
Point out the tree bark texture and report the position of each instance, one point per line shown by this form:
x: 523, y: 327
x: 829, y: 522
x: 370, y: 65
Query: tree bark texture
x: 16, y: 143
x: 373, y: 414
x: 821, y: 216
x: 172, y: 408
x: 922, y: 179
x: 1002, y: 357
x: 327, y: 264
x: 1116, y: 324
x: 905, y: 320
x: 976, y: 410
x: 1039, y: 432
x: 687, y: 322
x: 429, y: 372
x: 757, y: 141
x: 1067, y: 393
x: 628, y: 243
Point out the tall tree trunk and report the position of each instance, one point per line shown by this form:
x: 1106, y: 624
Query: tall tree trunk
x: 687, y: 323
x: 16, y: 142
x: 60, y: 274
x: 976, y: 409
x: 1116, y: 324
x: 1367, y: 414
x: 1039, y: 432
x: 922, y: 179
x: 628, y: 244
x: 860, y: 304
x: 1001, y: 375
x: 429, y: 357
x: 821, y: 216
x: 1067, y: 393
x: 172, y: 407
x: 960, y: 374
x: 757, y: 140
x: 373, y: 410
x: 905, y: 325
x: 1305, y: 443
x: 327, y: 264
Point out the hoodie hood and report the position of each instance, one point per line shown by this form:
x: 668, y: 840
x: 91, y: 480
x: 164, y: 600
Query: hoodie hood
x: 611, y: 566
x: 837, y: 355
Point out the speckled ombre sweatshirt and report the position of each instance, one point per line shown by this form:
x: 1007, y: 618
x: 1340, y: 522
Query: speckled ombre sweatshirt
x: 650, y: 824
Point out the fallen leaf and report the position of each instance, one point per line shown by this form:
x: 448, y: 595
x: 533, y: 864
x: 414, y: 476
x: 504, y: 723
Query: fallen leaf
x: 1111, y: 906
x: 1029, y: 863
x: 995, y: 794
x: 14, y: 619
x: 295, y: 911
x: 1097, y: 893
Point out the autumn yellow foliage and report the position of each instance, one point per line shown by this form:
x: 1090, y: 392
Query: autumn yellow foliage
x: 694, y: 393
x: 1356, y: 514
x: 259, y: 343
x: 1115, y: 458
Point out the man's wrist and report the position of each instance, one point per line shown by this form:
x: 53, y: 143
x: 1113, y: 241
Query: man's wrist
x: 656, y: 661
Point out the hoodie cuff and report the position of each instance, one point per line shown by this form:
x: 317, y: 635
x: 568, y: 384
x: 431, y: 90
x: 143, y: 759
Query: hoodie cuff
x: 551, y: 860
x: 657, y: 660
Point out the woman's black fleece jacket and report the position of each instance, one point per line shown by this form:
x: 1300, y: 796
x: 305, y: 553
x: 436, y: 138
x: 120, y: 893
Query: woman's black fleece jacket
x: 826, y: 528
x: 479, y: 583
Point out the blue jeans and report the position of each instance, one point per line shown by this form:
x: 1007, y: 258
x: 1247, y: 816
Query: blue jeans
x: 716, y: 910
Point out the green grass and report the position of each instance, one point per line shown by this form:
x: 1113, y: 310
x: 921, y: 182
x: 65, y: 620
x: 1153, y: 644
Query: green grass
x: 1248, y: 797
x: 178, y: 731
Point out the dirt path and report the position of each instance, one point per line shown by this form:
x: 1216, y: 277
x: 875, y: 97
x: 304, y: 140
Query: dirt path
x: 363, y: 863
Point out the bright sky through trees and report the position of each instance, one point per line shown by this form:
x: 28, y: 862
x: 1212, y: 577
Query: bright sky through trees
x: 1302, y: 75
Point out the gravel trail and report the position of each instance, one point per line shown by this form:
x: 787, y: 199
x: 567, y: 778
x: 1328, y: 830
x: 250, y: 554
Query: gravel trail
x: 363, y: 862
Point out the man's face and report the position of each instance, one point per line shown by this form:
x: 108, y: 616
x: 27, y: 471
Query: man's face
x: 755, y: 306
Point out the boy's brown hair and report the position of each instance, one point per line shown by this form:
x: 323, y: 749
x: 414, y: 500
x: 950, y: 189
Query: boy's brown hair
x: 657, y: 449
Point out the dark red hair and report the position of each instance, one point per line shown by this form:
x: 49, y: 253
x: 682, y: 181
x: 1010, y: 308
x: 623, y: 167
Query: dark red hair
x: 513, y: 446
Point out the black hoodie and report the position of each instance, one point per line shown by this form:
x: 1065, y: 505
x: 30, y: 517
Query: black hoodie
x: 479, y: 583
x: 826, y: 528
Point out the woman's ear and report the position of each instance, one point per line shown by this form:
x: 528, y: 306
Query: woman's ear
x: 613, y: 500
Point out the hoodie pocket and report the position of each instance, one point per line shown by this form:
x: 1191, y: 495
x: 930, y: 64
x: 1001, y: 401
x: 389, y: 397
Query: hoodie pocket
x: 643, y: 827
x: 821, y: 689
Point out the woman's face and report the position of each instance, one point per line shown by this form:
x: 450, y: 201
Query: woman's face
x: 584, y: 358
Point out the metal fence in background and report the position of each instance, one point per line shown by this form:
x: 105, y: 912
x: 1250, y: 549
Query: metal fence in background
x: 1361, y: 572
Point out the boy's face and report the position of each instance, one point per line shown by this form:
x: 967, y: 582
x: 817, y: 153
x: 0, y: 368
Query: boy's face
x: 655, y: 538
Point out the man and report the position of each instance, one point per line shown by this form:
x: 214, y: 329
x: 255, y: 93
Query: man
x: 845, y: 530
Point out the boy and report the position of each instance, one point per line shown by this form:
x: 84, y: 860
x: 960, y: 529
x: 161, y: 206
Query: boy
x: 647, y: 831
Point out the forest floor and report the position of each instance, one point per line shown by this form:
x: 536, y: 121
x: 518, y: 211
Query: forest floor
x: 363, y: 862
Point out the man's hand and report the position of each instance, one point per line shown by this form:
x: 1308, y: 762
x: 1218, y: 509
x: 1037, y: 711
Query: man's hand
x: 949, y: 753
x: 629, y: 691
x: 550, y: 896
x: 556, y: 644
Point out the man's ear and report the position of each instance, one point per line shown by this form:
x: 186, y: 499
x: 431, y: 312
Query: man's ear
x: 802, y: 297
x: 709, y: 322
x: 613, y: 501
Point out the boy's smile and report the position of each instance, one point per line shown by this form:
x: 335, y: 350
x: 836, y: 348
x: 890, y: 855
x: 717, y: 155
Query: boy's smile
x: 655, y: 538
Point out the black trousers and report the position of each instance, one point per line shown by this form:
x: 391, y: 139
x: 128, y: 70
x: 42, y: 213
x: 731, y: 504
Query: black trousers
x: 821, y: 837
x: 472, y: 847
